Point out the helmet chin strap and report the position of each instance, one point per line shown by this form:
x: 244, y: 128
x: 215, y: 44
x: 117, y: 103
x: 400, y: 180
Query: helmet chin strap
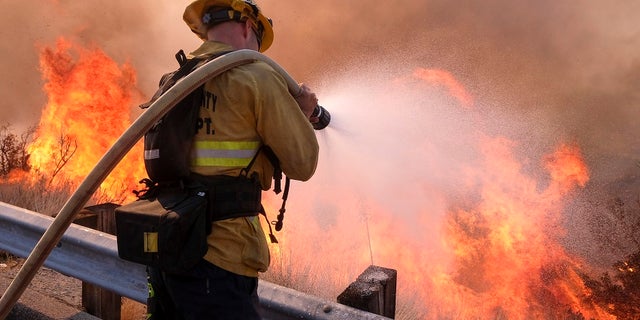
x: 220, y: 16
x: 212, y: 18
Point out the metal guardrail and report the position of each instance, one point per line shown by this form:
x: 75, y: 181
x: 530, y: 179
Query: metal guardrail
x: 92, y: 256
x: 82, y: 253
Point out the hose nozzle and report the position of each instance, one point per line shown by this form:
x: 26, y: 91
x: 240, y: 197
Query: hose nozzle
x: 323, y: 115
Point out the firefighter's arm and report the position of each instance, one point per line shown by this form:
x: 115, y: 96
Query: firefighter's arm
x: 307, y: 100
x: 284, y: 126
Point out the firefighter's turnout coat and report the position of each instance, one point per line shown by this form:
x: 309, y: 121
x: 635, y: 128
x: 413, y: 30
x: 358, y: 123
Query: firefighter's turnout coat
x: 244, y: 108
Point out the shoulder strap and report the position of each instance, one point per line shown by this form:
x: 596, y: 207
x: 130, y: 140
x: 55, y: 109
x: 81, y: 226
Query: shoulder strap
x: 186, y: 67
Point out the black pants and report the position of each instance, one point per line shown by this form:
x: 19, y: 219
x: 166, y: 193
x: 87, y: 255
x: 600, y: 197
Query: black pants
x: 205, y: 292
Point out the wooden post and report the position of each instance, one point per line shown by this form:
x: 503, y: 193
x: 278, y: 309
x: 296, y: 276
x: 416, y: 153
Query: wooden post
x: 97, y: 301
x: 373, y: 291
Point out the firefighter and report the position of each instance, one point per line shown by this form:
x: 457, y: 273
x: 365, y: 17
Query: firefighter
x: 245, y: 110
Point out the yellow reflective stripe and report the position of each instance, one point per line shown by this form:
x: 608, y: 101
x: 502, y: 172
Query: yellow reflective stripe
x: 228, y: 145
x: 218, y: 162
x: 224, y: 153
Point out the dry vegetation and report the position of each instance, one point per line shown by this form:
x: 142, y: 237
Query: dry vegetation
x: 618, y: 290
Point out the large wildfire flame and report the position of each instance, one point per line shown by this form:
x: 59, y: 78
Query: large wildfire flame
x: 492, y: 252
x: 89, y: 107
x: 506, y: 254
x: 496, y: 254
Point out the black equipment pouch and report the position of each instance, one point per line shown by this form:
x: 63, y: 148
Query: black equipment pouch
x: 167, y: 145
x: 166, y: 227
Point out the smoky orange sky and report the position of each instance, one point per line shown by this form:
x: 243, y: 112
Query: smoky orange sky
x: 540, y: 73
x: 571, y: 66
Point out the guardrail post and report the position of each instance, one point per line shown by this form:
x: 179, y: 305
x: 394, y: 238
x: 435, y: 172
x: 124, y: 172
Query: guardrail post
x: 97, y: 301
x: 373, y: 291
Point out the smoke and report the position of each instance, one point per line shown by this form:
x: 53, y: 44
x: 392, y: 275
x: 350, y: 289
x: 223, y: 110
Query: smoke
x: 145, y: 33
x: 570, y: 68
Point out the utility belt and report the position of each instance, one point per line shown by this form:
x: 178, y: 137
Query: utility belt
x: 231, y: 197
x: 167, y: 226
x: 234, y: 197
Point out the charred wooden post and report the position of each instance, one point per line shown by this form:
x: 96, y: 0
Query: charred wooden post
x: 97, y: 301
x: 373, y: 291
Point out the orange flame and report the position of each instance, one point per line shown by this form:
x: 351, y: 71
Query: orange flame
x: 507, y: 255
x: 505, y: 260
x: 567, y: 168
x: 501, y: 258
x: 446, y: 79
x: 89, y: 103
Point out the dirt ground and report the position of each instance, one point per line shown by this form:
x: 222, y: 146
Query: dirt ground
x: 53, y: 295
x: 47, y: 282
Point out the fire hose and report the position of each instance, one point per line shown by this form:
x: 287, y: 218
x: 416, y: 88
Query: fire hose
x: 121, y: 147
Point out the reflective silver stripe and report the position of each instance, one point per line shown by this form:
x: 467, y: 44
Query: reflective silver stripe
x: 152, y: 154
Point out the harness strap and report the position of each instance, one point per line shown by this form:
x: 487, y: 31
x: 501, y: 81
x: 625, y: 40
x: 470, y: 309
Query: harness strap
x: 277, y: 187
x: 279, y: 222
x: 272, y: 237
x: 186, y: 67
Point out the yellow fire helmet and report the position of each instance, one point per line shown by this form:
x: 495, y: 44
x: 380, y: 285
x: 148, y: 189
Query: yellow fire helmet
x: 198, y: 19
